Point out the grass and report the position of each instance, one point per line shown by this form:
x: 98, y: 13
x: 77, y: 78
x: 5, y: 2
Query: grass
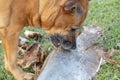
x: 4, y: 75
x: 104, y: 13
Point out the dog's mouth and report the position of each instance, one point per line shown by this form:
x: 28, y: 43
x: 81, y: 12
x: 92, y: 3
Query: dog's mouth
x: 59, y: 40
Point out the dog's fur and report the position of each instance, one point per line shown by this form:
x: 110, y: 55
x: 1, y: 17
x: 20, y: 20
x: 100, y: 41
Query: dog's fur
x: 55, y: 16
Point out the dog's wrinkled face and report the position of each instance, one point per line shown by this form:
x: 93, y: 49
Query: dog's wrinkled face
x: 67, y: 41
x: 64, y: 19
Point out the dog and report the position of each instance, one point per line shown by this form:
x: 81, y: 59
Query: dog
x: 59, y: 18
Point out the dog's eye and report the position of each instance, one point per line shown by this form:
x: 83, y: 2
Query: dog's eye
x: 77, y: 29
x: 74, y: 29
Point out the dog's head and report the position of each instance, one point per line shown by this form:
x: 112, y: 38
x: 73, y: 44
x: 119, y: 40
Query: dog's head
x: 61, y: 19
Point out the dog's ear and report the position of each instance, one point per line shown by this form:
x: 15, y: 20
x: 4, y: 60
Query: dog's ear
x: 72, y: 7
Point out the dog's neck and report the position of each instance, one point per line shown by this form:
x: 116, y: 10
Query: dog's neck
x: 33, y: 13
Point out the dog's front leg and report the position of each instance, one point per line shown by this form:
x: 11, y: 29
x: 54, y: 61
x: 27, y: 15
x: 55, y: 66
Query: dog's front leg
x: 9, y: 42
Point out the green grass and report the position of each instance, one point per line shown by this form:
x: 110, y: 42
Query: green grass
x: 44, y: 41
x: 109, y: 71
x: 104, y: 13
x: 4, y: 75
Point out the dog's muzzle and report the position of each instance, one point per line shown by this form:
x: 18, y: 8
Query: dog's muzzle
x: 58, y: 40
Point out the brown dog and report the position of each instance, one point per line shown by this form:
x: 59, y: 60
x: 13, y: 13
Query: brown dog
x: 60, y: 18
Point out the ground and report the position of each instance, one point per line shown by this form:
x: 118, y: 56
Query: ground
x: 104, y: 13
